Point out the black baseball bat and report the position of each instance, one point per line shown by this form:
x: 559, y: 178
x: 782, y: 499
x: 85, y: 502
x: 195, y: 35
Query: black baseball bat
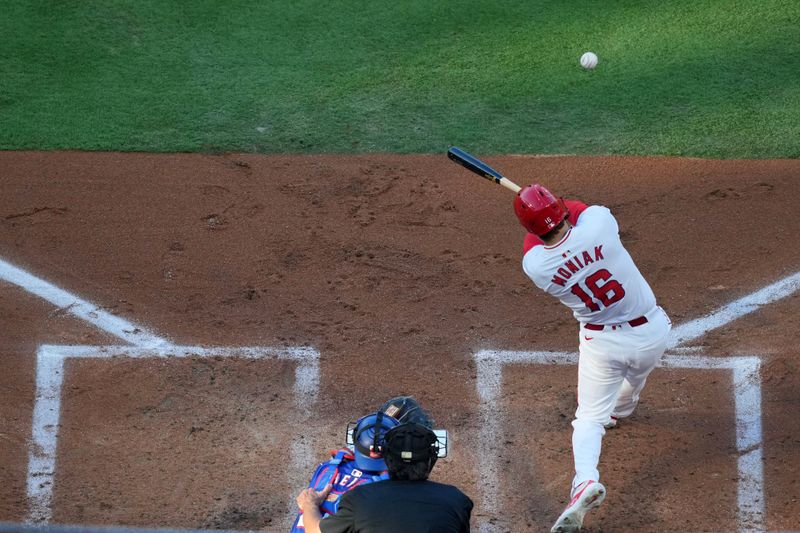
x: 480, y: 168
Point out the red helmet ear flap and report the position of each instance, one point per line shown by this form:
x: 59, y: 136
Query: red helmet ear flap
x: 538, y: 210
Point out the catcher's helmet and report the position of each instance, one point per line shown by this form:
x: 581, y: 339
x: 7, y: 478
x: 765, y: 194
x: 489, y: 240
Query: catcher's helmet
x: 368, y: 440
x: 406, y: 409
x: 538, y: 210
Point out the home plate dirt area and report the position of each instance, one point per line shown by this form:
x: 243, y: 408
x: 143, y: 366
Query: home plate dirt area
x: 185, y: 336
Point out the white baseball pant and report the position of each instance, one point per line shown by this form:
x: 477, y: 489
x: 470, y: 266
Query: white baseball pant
x: 612, y: 370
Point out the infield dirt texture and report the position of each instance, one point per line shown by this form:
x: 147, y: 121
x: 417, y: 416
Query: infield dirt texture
x: 249, y: 235
x: 397, y: 269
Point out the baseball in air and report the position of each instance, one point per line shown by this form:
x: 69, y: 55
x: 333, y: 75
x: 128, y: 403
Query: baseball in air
x: 589, y: 60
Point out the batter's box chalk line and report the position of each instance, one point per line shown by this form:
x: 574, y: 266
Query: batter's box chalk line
x: 142, y: 344
x: 747, y: 401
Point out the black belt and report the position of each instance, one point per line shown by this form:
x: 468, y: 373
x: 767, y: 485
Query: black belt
x: 633, y: 323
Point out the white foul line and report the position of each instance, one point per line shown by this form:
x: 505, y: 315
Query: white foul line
x: 82, y: 309
x: 50, y: 376
x: 698, y: 327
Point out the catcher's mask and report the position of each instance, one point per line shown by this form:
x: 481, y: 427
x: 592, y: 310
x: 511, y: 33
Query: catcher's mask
x: 538, y: 210
x: 412, y: 443
x: 368, y: 440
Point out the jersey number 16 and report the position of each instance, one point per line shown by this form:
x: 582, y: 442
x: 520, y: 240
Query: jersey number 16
x: 605, y: 290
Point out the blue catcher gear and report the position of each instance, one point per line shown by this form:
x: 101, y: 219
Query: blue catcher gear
x: 368, y: 440
x: 342, y: 473
x: 364, y: 463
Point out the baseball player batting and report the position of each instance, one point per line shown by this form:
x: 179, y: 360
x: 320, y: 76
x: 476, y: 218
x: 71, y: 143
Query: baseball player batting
x: 574, y: 253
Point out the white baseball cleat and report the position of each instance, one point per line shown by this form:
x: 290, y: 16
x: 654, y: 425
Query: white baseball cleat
x: 612, y: 422
x: 587, y: 496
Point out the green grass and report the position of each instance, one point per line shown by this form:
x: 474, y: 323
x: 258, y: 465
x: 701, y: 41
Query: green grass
x: 701, y: 78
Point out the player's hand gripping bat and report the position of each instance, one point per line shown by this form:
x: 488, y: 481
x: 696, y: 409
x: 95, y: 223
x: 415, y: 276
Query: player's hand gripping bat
x: 480, y: 168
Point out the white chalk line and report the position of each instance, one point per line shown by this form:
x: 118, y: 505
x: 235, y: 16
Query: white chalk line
x: 50, y: 376
x: 47, y: 406
x: 69, y: 303
x: 747, y: 398
x: 698, y: 327
x: 140, y: 336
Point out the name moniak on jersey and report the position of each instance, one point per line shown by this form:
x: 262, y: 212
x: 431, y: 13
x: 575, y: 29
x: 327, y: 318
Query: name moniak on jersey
x: 574, y: 265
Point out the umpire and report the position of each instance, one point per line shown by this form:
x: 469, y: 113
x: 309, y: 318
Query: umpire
x: 406, y: 502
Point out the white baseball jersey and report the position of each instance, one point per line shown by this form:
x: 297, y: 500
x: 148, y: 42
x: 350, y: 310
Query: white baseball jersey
x: 591, y: 272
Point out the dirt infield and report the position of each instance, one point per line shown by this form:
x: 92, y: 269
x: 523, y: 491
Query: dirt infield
x: 397, y: 270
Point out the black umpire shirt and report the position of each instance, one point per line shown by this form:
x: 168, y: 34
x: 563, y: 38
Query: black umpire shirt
x: 395, y: 506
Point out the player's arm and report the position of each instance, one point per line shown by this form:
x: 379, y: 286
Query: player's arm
x: 575, y: 208
x: 612, y: 221
x: 321, y: 477
x: 309, y: 501
x: 345, y: 518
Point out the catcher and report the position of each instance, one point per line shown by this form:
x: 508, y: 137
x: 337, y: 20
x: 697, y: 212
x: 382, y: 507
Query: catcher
x: 362, y: 461
x: 407, y: 502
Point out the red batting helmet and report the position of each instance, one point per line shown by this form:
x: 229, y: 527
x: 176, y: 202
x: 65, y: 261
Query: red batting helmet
x: 538, y: 210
